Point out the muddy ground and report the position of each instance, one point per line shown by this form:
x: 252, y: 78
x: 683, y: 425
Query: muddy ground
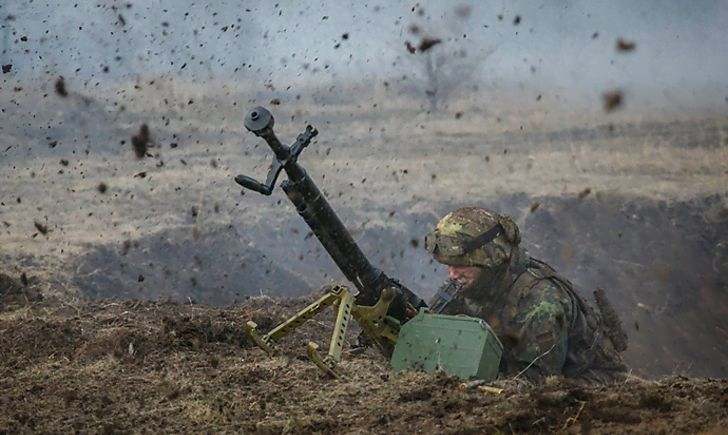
x: 133, y: 276
x: 116, y: 367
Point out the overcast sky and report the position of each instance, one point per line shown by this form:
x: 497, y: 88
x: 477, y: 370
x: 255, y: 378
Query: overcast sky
x: 679, y: 45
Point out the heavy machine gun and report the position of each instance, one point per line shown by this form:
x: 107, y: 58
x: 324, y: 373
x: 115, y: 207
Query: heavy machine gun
x: 381, y: 305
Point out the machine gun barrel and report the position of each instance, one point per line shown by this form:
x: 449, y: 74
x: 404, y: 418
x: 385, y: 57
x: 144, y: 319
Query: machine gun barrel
x: 321, y: 218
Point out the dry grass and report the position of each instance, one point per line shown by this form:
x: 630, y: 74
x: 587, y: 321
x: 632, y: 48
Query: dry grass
x: 223, y: 386
x: 372, y: 149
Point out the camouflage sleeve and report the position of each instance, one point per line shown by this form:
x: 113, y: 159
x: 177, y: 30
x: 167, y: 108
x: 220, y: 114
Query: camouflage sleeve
x: 542, y: 322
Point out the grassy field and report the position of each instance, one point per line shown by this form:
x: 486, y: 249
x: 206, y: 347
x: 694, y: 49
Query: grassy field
x: 632, y: 201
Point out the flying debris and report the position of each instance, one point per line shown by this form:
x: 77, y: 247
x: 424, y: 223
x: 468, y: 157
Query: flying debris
x: 60, y: 87
x: 428, y: 43
x: 612, y: 100
x: 140, y: 141
x: 623, y: 45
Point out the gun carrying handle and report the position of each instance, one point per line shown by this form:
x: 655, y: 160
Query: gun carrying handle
x: 252, y: 184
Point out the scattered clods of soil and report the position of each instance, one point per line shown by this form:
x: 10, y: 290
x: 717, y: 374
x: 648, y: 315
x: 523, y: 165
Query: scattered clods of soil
x: 121, y: 366
x: 140, y: 141
x: 60, y: 87
x: 612, y: 100
x: 624, y: 45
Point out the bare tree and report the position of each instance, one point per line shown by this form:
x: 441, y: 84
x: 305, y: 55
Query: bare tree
x: 441, y: 56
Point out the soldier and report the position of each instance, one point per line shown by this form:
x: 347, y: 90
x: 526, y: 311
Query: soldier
x: 543, y: 324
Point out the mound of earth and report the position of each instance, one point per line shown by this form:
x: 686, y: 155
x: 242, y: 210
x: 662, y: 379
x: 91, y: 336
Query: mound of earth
x: 106, y: 366
x: 213, y: 266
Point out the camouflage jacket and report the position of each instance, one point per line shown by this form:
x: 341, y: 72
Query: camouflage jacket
x: 545, y: 327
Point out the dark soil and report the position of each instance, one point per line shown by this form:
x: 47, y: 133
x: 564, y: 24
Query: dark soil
x: 105, y: 366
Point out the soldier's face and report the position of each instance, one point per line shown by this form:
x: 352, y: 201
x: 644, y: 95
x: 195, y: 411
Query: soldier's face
x: 467, y: 276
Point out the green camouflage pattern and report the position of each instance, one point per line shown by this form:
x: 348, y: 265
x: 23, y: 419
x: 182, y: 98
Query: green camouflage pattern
x: 469, y: 222
x: 545, y: 327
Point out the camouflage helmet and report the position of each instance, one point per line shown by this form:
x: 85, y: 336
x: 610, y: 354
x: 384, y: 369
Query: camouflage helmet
x: 473, y: 236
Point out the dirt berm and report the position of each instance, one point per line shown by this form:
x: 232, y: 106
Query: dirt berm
x: 120, y: 367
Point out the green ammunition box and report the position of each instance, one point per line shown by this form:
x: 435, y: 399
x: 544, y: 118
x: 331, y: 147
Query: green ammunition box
x: 461, y: 346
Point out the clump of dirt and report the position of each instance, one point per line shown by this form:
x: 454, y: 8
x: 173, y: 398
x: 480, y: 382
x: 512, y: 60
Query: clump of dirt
x: 163, y: 366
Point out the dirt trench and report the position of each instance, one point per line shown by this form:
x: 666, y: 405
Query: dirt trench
x: 662, y: 264
x: 115, y: 367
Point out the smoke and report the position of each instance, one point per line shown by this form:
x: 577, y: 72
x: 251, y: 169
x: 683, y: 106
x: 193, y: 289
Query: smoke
x: 569, y: 47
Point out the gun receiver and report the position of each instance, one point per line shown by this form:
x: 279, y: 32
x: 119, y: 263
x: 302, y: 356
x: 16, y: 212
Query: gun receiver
x: 323, y: 221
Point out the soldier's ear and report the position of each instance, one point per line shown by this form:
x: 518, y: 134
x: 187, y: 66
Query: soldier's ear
x: 510, y: 230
